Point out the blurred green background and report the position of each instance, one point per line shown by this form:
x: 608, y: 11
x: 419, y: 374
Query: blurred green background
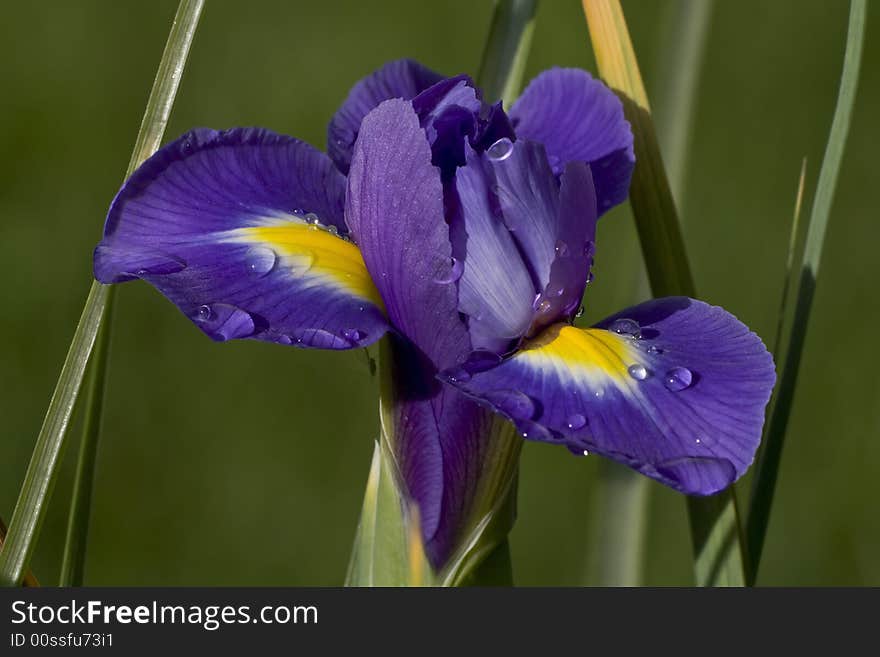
x: 245, y: 463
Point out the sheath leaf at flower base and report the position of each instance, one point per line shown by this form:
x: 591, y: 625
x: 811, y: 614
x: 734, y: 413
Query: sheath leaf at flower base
x: 467, y: 236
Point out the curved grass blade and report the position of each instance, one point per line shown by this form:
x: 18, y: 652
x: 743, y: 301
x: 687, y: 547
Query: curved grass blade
x: 767, y: 467
x: 27, y: 518
x: 715, y: 527
x: 507, y: 49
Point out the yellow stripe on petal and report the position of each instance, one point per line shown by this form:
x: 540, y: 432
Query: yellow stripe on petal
x: 597, y: 355
x: 313, y: 252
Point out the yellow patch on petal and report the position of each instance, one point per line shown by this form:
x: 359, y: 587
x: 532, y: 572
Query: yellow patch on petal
x: 594, y: 354
x: 314, y: 253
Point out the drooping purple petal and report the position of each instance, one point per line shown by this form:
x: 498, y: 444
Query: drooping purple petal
x: 237, y: 229
x: 528, y: 243
x: 403, y: 78
x: 394, y: 208
x: 578, y: 118
x: 674, y: 388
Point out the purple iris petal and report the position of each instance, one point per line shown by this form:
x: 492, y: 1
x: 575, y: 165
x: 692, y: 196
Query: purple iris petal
x: 236, y: 228
x: 395, y: 210
x: 527, y: 243
x: 496, y: 288
x: 674, y: 388
x: 449, y: 112
x: 402, y: 78
x: 578, y: 118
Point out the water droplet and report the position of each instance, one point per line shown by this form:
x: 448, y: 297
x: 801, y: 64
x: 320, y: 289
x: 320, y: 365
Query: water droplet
x: 312, y: 219
x: 586, y: 452
x: 637, y: 372
x: 628, y: 327
x: 576, y: 421
x: 353, y: 334
x: 579, y: 313
x: 542, y: 305
x: 590, y: 277
x: 513, y: 403
x: 260, y: 260
x: 333, y: 230
x: 678, y: 378
x: 599, y: 393
x: 654, y: 349
x: 223, y: 321
x: 534, y: 431
x: 589, y: 248
x: 554, y: 290
x: 457, y: 375
x: 561, y: 249
x: 500, y: 150
x: 698, y: 441
x: 455, y: 272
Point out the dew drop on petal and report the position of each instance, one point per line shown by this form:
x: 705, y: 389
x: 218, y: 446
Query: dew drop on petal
x: 457, y: 375
x: 455, y: 272
x: 554, y: 290
x: 500, y: 150
x: 678, y: 378
x: 637, y: 372
x: 205, y: 313
x: 353, y: 334
x: 599, y: 393
x: 628, y: 327
x: 534, y: 431
x: 589, y: 248
x: 579, y: 313
x: 512, y: 402
x: 653, y: 349
x: 260, y: 260
x: 561, y: 249
x: 575, y: 421
x: 312, y: 219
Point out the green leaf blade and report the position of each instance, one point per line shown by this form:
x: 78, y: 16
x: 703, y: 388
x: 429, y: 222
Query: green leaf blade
x: 767, y: 468
x: 30, y: 508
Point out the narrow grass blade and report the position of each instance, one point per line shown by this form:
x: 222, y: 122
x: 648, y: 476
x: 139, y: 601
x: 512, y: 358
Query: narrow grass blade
x: 507, y: 49
x: 74, y: 555
x: 39, y: 480
x: 685, y: 31
x: 623, y: 497
x: 28, y: 580
x: 789, y: 264
x: 767, y: 468
x: 714, y: 521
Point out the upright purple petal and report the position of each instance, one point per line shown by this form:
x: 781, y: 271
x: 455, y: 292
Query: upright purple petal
x: 402, y: 78
x: 449, y: 113
x: 578, y: 118
x: 237, y: 229
x: 673, y: 388
x: 528, y: 243
x: 395, y: 210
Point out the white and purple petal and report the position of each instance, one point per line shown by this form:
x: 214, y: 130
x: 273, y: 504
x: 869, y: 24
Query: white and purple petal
x: 402, y: 78
x: 240, y: 229
x: 578, y: 118
x: 673, y: 388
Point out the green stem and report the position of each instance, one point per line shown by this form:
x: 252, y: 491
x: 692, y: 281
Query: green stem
x: 507, y: 49
x: 30, y: 508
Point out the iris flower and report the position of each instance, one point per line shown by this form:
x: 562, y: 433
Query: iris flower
x: 467, y: 235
